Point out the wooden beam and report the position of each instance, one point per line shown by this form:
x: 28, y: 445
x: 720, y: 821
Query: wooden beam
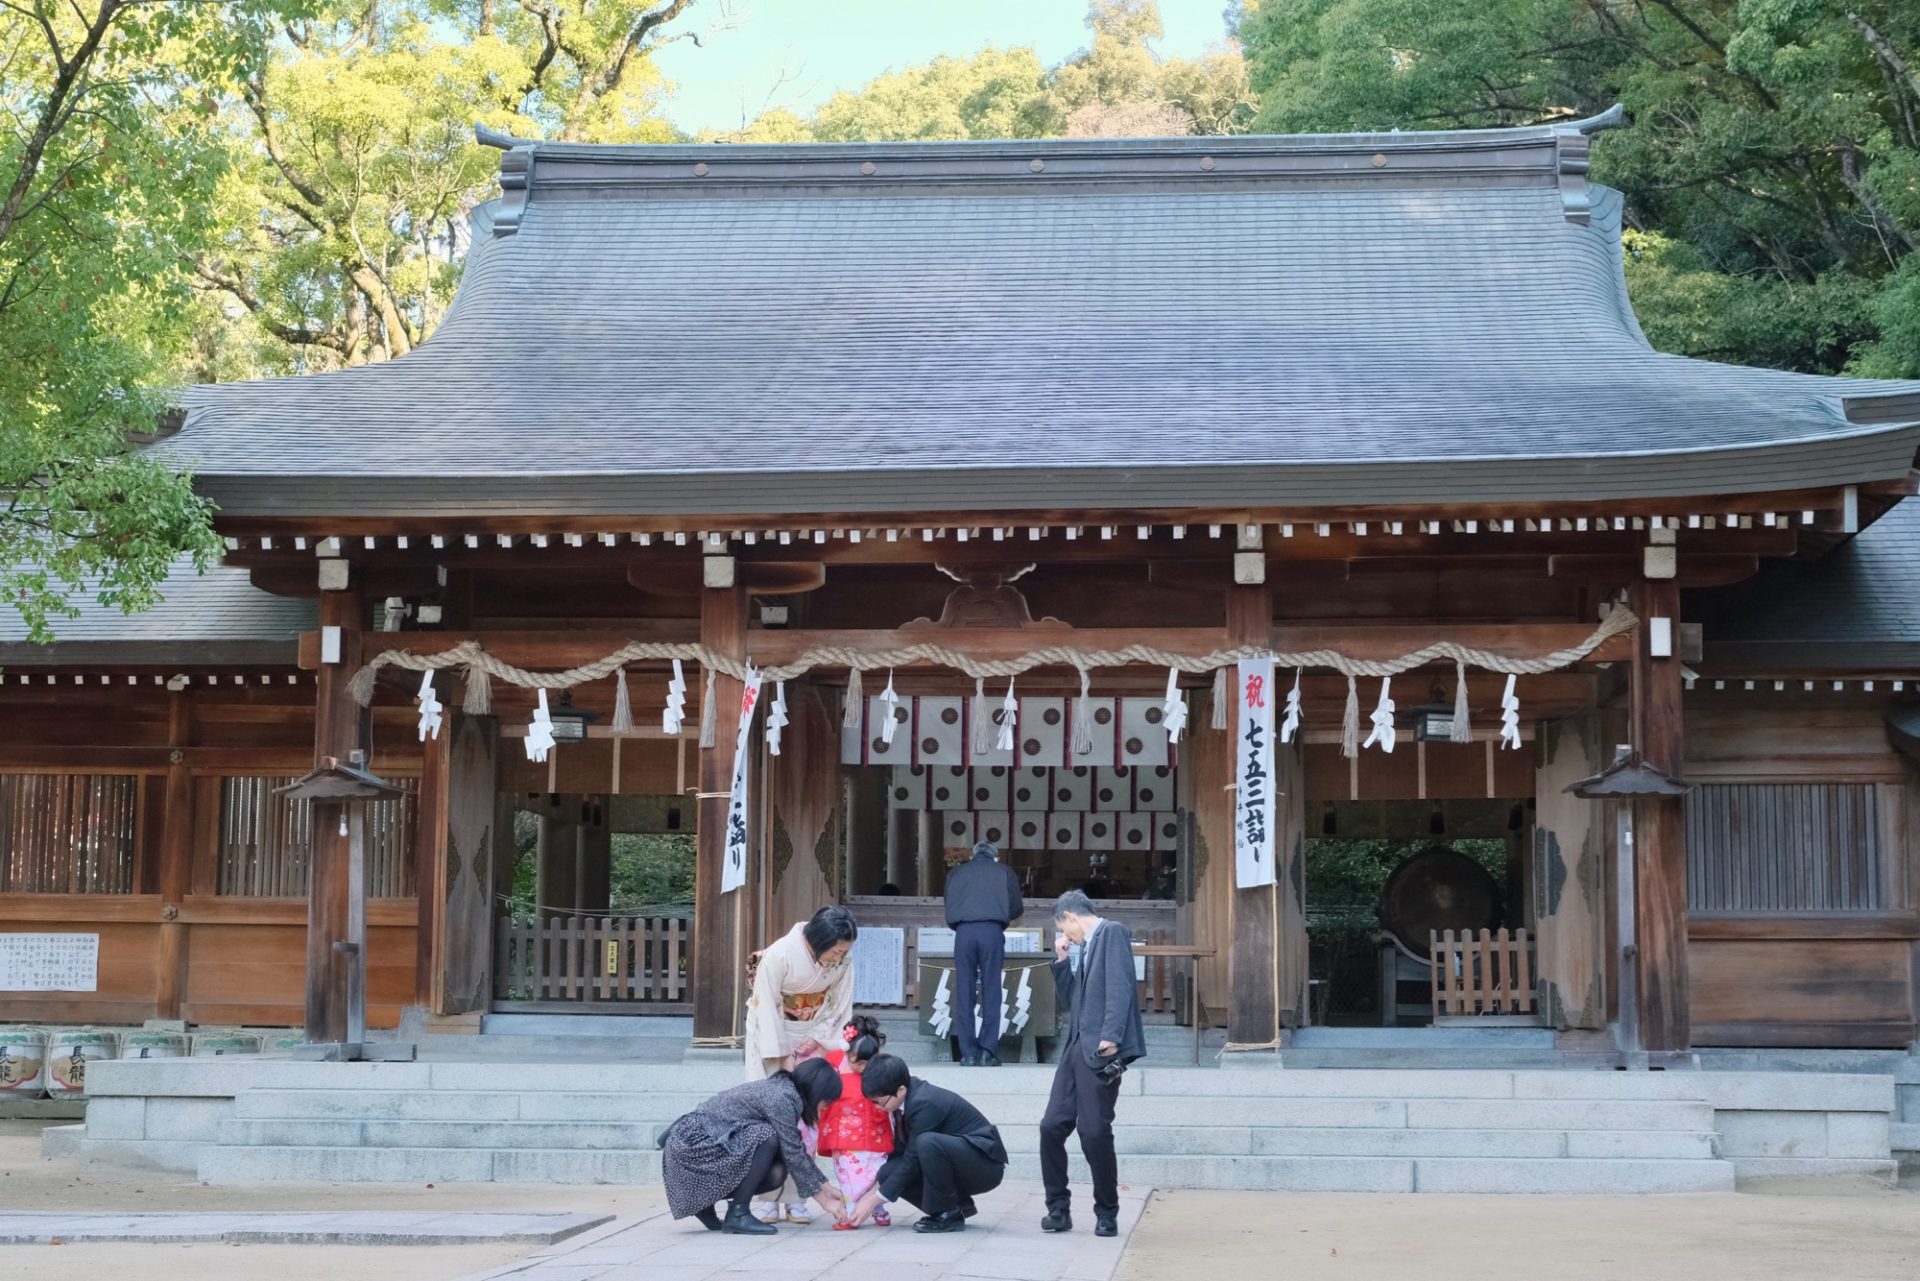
x: 719, y: 954
x: 1124, y: 518
x: 430, y: 851
x: 549, y: 650
x: 1659, y: 836
x: 1707, y: 569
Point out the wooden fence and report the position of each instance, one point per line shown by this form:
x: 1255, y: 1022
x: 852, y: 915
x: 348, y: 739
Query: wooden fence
x: 1488, y: 975
x: 593, y: 961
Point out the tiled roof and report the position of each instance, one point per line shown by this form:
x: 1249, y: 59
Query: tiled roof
x: 1398, y: 318
x: 214, y: 619
x: 1858, y: 607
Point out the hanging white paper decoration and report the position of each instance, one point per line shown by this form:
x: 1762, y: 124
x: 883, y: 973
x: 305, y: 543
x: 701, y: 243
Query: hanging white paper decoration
x: 1510, y: 717
x: 1009, y: 713
x: 1174, y: 710
x: 889, y: 716
x: 675, y: 714
x: 540, y: 731
x: 776, y: 717
x: 430, y: 708
x: 622, y: 722
x: 1383, y: 732
x: 982, y: 716
x: 1291, y: 724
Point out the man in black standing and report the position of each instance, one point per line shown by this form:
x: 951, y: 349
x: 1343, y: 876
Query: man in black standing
x: 983, y: 899
x: 1094, y: 975
x: 945, y: 1152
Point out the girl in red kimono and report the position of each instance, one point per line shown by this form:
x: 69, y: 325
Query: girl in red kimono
x: 855, y: 1132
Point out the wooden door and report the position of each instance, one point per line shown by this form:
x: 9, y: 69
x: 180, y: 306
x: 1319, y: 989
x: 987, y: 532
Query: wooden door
x: 463, y: 930
x: 1569, y: 875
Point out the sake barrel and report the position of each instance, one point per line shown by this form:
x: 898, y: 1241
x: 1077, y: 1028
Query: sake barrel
x: 23, y: 1062
x: 69, y: 1050
x: 153, y: 1045
x: 208, y: 1045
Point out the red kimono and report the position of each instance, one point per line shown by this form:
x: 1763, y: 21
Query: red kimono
x: 853, y: 1123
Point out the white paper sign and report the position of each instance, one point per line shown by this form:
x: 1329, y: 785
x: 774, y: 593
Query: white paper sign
x: 1253, y: 807
x: 933, y: 940
x: 733, y: 870
x: 49, y: 962
x: 879, y: 961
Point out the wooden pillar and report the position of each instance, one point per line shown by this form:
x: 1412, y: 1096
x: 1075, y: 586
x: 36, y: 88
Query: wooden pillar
x: 719, y: 954
x: 1206, y: 851
x: 596, y: 856
x: 1569, y: 874
x: 556, y: 876
x: 1659, y: 833
x: 176, y: 857
x: 803, y: 819
x: 1254, y: 1012
x: 458, y: 812
x: 429, y: 858
x: 336, y: 733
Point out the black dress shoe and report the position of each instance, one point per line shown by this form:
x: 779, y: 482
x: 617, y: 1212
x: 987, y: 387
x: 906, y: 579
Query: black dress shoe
x: 989, y: 1059
x: 708, y: 1219
x: 741, y: 1223
x: 967, y: 1208
x: 1105, y: 1227
x: 1057, y: 1221
x: 969, y: 1060
x: 951, y: 1221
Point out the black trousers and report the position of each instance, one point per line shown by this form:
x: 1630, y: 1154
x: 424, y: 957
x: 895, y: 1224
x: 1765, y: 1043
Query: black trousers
x: 939, y: 1171
x: 767, y: 1173
x: 1080, y: 1101
x: 979, y: 959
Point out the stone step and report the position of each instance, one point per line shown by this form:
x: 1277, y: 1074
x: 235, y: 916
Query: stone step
x: 1423, y: 1038
x: 1342, y: 1174
x: 1007, y: 1110
x: 1273, y: 1080
x: 1399, y: 1059
x: 1178, y: 1140
x: 1905, y: 1135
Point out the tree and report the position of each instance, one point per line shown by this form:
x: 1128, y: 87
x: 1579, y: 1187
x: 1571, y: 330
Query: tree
x: 1773, y: 158
x: 1116, y: 87
x: 108, y: 167
x: 356, y: 165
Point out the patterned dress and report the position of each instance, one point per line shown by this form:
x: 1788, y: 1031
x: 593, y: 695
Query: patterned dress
x: 795, y: 999
x: 708, y: 1151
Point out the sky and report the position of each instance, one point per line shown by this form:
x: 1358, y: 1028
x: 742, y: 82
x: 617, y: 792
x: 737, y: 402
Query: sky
x: 812, y: 49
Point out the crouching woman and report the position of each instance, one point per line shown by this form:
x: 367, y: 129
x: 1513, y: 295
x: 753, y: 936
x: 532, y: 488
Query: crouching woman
x: 746, y: 1142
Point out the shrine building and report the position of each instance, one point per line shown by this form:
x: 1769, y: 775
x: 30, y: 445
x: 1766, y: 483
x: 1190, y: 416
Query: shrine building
x: 1027, y: 483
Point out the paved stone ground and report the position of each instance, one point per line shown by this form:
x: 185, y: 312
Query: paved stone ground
x: 1004, y: 1243
x: 358, y: 1227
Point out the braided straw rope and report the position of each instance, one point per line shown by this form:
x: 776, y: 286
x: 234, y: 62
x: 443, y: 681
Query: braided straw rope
x: 470, y: 655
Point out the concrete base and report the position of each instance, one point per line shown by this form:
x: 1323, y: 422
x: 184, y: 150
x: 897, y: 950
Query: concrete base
x: 68, y: 1107
x: 367, y: 1227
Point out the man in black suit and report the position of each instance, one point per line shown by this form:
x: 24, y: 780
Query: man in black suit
x: 944, y: 1152
x: 1094, y: 975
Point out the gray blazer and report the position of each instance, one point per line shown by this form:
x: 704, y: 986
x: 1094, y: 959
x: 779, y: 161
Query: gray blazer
x: 1103, y: 1000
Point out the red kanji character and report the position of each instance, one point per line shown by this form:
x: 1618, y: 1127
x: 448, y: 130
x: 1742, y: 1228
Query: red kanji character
x: 1256, y: 691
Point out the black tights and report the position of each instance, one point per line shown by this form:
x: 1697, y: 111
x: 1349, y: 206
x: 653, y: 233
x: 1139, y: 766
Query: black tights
x: 767, y: 1173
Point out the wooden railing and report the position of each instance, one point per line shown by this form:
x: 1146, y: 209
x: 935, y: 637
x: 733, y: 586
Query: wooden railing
x: 1484, y: 975
x: 593, y: 960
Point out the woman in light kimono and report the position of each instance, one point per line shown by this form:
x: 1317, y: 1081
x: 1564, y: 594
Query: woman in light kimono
x: 801, y: 1000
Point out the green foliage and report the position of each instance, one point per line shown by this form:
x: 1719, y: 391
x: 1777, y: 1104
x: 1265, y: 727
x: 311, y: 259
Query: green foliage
x: 1773, y: 161
x: 344, y: 215
x: 108, y: 159
x: 651, y: 872
x: 1117, y: 85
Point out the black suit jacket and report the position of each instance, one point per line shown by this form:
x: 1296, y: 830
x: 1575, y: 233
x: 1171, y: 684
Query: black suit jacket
x: 1103, y: 1000
x: 929, y: 1109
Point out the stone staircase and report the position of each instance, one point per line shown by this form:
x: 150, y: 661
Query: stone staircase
x: 1354, y: 1130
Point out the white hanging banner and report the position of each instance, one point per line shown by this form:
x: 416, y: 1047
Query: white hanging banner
x: 1253, y: 775
x: 733, y: 868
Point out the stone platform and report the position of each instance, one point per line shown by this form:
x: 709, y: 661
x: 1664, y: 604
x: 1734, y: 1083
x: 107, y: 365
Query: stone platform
x: 595, y: 1120
x: 357, y: 1227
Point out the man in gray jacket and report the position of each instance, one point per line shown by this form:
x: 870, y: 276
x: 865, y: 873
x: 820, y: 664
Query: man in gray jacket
x: 983, y: 899
x: 1094, y: 975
